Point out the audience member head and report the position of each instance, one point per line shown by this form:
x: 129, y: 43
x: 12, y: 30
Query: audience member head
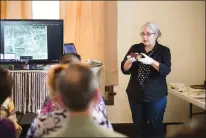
x: 70, y: 58
x: 52, y: 76
x: 6, y: 83
x: 77, y: 87
x: 54, y: 72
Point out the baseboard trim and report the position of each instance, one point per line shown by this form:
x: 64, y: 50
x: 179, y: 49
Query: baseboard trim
x: 127, y: 128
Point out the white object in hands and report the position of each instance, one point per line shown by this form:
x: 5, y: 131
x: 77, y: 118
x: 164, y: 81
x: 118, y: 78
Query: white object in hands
x: 131, y: 59
x: 146, y: 60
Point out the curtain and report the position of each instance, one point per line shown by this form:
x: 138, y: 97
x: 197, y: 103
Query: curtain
x: 16, y: 10
x: 92, y: 26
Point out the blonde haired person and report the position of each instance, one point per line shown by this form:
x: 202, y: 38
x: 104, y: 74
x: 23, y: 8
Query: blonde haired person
x: 78, y: 92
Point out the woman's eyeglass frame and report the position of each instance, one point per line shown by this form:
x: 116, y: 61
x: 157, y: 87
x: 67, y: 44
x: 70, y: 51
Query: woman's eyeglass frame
x: 147, y: 34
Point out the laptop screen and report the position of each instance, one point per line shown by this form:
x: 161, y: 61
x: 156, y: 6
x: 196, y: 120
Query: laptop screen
x: 69, y: 48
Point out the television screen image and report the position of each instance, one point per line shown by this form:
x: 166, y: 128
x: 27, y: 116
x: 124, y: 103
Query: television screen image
x: 35, y: 41
x: 26, y: 40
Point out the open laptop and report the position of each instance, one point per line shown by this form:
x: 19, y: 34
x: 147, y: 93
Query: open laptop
x: 69, y: 48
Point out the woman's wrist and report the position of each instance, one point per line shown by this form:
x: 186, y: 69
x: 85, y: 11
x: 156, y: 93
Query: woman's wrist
x: 127, y: 65
x: 156, y: 64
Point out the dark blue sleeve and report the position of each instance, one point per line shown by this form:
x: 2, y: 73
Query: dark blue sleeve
x: 165, y: 64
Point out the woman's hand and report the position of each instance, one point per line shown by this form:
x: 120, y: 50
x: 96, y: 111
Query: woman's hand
x: 128, y: 63
x: 146, y: 59
x: 149, y: 61
x: 131, y: 59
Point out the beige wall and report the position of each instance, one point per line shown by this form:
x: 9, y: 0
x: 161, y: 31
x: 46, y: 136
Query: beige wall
x: 183, y: 28
x: 16, y: 9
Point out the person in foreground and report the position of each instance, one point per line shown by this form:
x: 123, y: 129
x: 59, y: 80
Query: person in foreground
x: 49, y: 104
x: 78, y: 92
x: 148, y: 63
x: 45, y: 123
x: 7, y: 127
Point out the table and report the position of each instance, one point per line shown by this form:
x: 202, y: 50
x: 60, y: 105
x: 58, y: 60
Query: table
x: 183, y: 95
x: 193, y: 96
x: 29, y: 90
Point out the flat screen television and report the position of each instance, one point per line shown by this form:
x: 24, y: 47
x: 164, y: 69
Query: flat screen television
x: 31, y: 41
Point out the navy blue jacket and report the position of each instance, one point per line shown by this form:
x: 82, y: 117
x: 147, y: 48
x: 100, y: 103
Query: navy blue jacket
x: 155, y: 87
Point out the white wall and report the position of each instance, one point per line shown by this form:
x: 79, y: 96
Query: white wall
x: 183, y: 28
x: 45, y: 9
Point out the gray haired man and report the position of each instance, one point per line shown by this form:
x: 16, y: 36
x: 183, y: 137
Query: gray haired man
x: 78, y: 91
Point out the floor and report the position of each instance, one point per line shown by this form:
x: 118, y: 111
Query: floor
x: 26, y: 120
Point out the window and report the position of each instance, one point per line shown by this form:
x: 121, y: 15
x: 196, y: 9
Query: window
x: 45, y: 9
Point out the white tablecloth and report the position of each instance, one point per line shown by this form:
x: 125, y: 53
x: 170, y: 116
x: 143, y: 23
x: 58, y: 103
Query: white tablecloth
x: 194, y: 96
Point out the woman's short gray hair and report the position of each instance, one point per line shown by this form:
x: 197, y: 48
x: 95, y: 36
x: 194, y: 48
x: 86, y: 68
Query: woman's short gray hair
x: 154, y: 27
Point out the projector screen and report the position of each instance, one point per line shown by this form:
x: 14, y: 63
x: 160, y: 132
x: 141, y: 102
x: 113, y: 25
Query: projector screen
x: 32, y: 41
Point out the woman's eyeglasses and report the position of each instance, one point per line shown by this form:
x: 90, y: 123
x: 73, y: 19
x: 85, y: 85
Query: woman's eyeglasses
x: 147, y: 34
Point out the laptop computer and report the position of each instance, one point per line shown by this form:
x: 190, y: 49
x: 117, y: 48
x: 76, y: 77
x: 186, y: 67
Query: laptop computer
x: 69, y: 48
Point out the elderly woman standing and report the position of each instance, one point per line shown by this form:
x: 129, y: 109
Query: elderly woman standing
x: 148, y: 63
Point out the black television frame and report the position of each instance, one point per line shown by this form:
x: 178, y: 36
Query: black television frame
x: 46, y: 61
